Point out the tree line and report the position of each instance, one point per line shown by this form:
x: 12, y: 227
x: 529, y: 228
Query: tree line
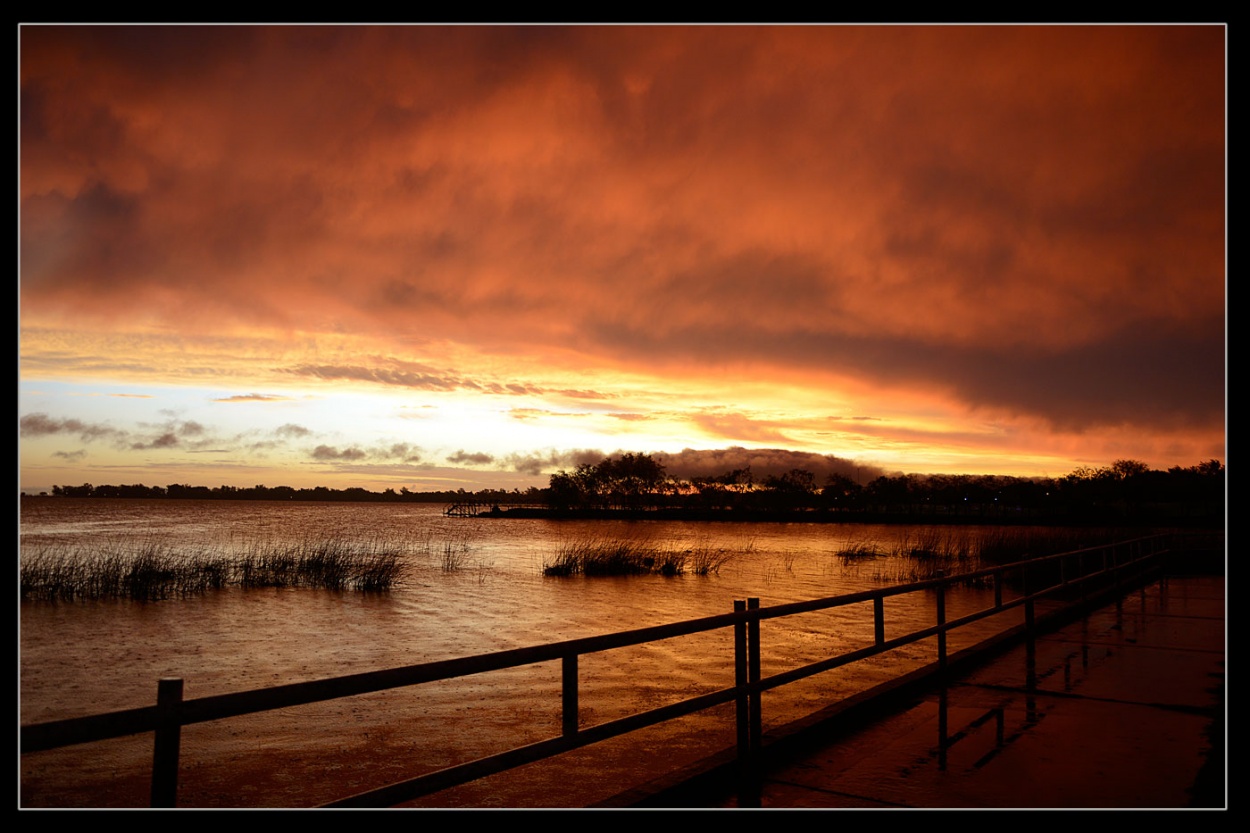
x: 318, y: 493
x: 633, y: 483
x: 1125, y: 490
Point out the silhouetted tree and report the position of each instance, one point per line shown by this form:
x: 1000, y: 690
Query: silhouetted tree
x: 840, y: 492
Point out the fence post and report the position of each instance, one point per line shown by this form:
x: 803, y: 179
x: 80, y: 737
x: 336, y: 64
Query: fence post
x: 941, y: 618
x: 753, y: 677
x: 878, y: 619
x: 1081, y: 571
x: 167, y: 743
x: 568, y: 695
x: 1117, y: 578
x: 740, y: 682
x: 745, y: 636
x: 1025, y: 587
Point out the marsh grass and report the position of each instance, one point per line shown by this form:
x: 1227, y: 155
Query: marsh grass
x: 151, y: 571
x: 1004, y: 546
x: 928, y: 553
x: 933, y: 551
x: 456, y: 552
x: 855, y: 552
x: 1011, y: 545
x: 147, y: 571
x: 594, y: 556
x: 451, y: 552
x: 705, y: 559
x: 614, y: 557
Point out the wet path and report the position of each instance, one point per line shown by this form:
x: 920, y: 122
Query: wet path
x: 1121, y: 709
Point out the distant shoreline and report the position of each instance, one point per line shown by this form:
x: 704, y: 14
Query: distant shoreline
x: 485, y: 509
x: 864, y: 517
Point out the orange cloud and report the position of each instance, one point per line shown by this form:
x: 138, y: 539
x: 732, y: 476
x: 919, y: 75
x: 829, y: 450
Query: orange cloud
x: 1026, y: 222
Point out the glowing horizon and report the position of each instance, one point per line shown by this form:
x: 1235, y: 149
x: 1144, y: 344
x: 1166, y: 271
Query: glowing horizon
x: 386, y: 256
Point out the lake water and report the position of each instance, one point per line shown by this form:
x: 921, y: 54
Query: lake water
x: 83, y: 658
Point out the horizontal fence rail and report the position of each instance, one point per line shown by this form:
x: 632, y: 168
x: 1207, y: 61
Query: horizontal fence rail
x: 1067, y: 579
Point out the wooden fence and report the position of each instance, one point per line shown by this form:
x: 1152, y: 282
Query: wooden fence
x: 1068, y: 579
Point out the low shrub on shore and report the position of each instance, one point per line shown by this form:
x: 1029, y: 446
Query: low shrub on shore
x: 153, y: 571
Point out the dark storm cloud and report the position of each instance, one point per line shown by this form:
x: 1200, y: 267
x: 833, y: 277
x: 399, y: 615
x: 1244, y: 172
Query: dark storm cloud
x: 539, y: 462
x: 39, y: 424
x: 400, y: 451
x: 1149, y: 376
x: 1152, y: 374
x: 1024, y: 219
x: 403, y: 378
x: 188, y: 435
x: 166, y: 440
x: 419, y: 377
x: 326, y: 452
x: 763, y: 462
x: 473, y: 459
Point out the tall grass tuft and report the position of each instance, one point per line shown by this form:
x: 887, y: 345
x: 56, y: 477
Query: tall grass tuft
x: 925, y: 554
x: 1004, y: 546
x: 928, y: 552
x: 451, y: 550
x: 857, y: 551
x: 614, y: 557
x: 148, y: 571
x: 704, y: 559
x: 456, y: 552
x: 377, y: 571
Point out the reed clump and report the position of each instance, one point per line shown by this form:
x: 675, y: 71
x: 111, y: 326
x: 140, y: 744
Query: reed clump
x: 614, y: 557
x: 1007, y: 546
x: 929, y: 553
x: 705, y: 559
x: 1003, y: 546
x: 456, y: 552
x: 855, y: 552
x: 452, y: 551
x: 146, y: 571
x: 151, y: 571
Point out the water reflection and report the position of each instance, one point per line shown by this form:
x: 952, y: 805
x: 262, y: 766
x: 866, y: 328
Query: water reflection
x: 83, y: 658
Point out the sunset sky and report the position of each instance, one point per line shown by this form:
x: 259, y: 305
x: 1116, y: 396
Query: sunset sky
x: 458, y: 257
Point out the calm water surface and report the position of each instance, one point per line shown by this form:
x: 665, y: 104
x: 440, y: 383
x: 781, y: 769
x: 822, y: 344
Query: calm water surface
x: 87, y: 657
